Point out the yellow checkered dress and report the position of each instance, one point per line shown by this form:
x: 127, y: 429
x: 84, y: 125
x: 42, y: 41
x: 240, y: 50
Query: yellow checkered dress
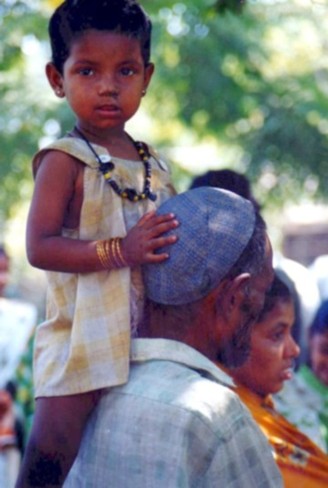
x: 84, y: 343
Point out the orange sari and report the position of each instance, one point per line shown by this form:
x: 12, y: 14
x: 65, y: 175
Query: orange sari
x: 301, y: 462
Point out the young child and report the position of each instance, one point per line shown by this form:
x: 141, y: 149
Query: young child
x: 92, y: 223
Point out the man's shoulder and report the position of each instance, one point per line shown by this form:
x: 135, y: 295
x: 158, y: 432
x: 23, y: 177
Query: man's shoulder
x: 182, y: 391
x: 177, y: 423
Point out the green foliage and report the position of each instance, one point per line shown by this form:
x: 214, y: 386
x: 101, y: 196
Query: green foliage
x: 223, y: 6
x: 233, y: 81
x: 19, y: 121
x: 250, y: 77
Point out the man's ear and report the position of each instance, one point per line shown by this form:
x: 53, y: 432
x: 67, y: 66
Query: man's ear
x: 55, y: 80
x: 233, y: 294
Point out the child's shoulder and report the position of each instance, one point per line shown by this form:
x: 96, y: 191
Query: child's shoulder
x: 70, y: 146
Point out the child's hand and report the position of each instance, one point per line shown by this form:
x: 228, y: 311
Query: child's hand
x: 145, y: 237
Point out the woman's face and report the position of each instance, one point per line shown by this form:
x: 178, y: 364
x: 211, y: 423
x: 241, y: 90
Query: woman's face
x: 273, y: 351
x: 319, y: 356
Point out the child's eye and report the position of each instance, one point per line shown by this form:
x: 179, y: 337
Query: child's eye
x: 127, y: 71
x: 86, y: 72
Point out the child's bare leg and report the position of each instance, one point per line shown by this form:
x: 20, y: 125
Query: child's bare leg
x: 55, y: 439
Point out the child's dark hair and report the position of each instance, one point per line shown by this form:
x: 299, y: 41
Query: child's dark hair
x: 73, y: 17
x: 320, y: 322
x: 278, y: 292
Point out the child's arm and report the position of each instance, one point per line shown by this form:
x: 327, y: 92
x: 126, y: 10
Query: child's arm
x: 57, y: 202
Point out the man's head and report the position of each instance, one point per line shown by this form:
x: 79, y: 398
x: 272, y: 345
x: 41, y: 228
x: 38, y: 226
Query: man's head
x: 214, y: 281
x: 227, y: 179
x: 74, y: 17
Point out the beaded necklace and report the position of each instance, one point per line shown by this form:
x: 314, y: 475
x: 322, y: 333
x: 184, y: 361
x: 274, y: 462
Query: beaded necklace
x: 106, y: 167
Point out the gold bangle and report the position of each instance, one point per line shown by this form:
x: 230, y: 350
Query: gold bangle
x: 113, y: 251
x: 110, y: 254
x: 118, y: 243
x: 101, y: 253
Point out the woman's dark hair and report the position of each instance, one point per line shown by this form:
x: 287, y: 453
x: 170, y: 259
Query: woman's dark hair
x: 73, y: 17
x: 278, y: 292
x: 320, y: 322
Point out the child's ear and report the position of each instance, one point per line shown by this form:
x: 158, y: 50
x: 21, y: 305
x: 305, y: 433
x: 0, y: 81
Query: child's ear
x: 149, y: 70
x: 55, y: 80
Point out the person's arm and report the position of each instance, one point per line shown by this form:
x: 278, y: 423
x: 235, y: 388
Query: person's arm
x: 57, y: 191
x: 55, y: 187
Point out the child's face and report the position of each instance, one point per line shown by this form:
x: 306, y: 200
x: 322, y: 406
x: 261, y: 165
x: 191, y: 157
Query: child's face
x: 319, y: 356
x: 103, y: 79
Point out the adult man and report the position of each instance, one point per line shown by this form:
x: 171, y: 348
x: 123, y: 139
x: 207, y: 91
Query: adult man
x: 176, y: 423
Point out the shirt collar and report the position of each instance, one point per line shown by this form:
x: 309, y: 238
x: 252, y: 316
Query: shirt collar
x: 168, y: 350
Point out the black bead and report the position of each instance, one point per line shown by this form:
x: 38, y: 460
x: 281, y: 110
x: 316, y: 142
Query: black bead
x: 152, y: 196
x: 131, y: 193
x: 105, y: 167
x: 109, y: 166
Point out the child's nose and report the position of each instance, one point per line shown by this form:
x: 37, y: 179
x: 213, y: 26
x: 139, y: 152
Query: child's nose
x: 108, y: 86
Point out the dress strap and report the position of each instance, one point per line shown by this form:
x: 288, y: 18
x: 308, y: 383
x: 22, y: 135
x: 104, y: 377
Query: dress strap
x: 74, y: 147
x: 77, y: 148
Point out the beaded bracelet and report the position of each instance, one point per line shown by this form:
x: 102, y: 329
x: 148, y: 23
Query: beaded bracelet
x: 109, y: 253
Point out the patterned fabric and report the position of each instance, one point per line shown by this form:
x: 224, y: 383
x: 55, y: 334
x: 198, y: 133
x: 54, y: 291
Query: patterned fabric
x: 304, y: 402
x: 302, y: 463
x: 84, y: 343
x: 208, y: 244
x: 176, y: 423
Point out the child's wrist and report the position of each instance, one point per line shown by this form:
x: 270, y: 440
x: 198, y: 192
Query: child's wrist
x: 109, y: 252
x: 118, y: 252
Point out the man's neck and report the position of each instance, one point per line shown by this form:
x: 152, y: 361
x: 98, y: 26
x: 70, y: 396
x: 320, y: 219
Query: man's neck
x: 190, y: 325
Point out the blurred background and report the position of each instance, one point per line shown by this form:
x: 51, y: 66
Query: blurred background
x: 239, y: 85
